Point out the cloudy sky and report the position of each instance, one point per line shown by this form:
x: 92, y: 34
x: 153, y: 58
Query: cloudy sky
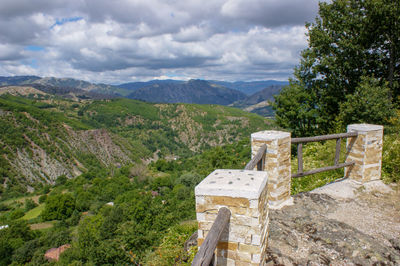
x: 116, y: 41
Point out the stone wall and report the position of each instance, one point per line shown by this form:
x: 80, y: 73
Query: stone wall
x: 244, y: 193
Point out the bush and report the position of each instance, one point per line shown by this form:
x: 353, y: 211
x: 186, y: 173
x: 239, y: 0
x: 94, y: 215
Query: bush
x: 42, y: 198
x: 61, y: 180
x: 58, y: 207
x: 46, y: 189
x: 391, y: 159
x: 4, y: 207
x: 30, y: 204
x: 190, y: 179
x: 171, y: 251
x: 16, y: 214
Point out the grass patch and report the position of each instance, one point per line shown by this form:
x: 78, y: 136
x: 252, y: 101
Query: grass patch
x: 316, y: 155
x: 171, y: 251
x: 34, y: 213
x: 12, y: 201
x: 42, y: 226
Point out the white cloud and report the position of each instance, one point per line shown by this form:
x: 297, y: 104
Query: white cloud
x: 125, y: 40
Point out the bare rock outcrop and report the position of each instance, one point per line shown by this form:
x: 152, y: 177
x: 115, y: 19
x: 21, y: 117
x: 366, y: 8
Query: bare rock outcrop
x: 321, y: 229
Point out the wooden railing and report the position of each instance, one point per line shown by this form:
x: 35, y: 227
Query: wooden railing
x: 338, y: 137
x: 205, y: 255
x: 258, y: 160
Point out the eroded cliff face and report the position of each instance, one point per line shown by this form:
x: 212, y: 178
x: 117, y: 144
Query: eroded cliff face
x: 323, y: 230
x: 65, y: 155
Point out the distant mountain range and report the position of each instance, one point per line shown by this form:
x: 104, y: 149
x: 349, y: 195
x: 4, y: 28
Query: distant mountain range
x: 250, y: 87
x: 64, y: 83
x: 192, y: 91
x: 247, y: 87
x: 251, y: 96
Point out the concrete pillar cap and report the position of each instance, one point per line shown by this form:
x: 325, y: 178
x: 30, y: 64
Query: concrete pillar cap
x: 270, y: 135
x: 364, y: 127
x: 233, y: 183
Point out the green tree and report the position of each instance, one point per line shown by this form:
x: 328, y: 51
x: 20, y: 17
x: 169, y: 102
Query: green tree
x: 349, y: 40
x: 368, y: 104
x: 61, y: 180
x: 58, y: 207
x: 29, y: 204
x: 42, y: 198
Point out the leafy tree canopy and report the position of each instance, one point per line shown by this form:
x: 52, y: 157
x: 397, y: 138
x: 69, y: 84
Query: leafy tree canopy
x: 350, y: 41
x: 58, y: 207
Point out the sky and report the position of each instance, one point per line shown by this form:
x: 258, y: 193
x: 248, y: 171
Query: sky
x: 118, y: 41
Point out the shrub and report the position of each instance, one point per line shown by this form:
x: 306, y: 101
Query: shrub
x: 29, y: 204
x: 391, y: 159
x: 171, y: 251
x: 16, y: 214
x: 61, y: 180
x: 42, y: 198
x: 58, y: 207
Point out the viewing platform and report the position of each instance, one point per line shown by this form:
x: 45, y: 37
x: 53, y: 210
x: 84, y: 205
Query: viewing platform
x: 248, y: 217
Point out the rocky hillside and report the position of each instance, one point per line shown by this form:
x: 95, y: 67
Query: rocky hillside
x: 61, y: 83
x: 40, y: 145
x: 131, y: 86
x: 43, y: 136
x: 326, y: 227
x: 172, y: 128
x: 259, y: 102
x: 192, y: 91
x: 251, y: 87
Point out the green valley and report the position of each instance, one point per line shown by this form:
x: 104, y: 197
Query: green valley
x: 44, y: 136
x: 111, y: 178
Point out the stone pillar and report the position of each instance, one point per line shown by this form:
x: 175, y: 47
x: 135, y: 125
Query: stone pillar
x: 277, y: 165
x: 244, y: 193
x: 366, y: 151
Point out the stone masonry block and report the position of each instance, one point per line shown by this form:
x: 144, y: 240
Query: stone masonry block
x: 252, y: 249
x: 244, y: 193
x: 277, y: 162
x: 227, y: 201
x: 365, y: 151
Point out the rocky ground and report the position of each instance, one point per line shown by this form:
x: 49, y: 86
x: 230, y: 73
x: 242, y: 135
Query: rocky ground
x: 344, y: 223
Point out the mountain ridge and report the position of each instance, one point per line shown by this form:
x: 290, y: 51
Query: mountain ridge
x: 192, y: 91
x: 198, y: 91
x: 259, y: 102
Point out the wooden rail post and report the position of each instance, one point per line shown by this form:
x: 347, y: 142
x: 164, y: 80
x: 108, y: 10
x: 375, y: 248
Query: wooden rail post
x: 277, y: 165
x: 244, y: 193
x: 366, y: 151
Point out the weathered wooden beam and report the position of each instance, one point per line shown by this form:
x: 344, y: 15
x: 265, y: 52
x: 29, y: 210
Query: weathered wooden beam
x: 324, y: 137
x: 337, y: 153
x: 322, y: 169
x: 256, y: 159
x: 205, y: 255
x: 300, y: 158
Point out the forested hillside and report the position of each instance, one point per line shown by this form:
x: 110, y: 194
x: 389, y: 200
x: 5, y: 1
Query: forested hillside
x: 65, y: 159
x: 44, y: 136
